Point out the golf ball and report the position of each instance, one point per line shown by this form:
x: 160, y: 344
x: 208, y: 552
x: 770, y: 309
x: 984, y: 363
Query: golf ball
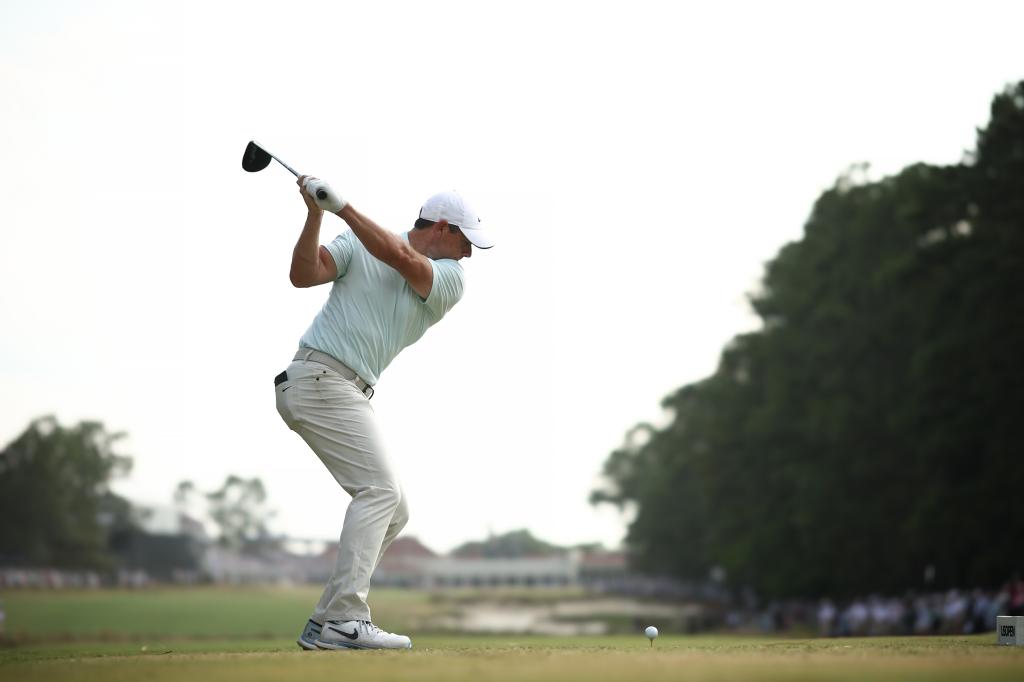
x: 651, y: 632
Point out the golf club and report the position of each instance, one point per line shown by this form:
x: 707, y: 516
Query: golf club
x: 256, y: 158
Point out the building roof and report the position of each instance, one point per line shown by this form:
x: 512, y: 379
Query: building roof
x: 402, y: 548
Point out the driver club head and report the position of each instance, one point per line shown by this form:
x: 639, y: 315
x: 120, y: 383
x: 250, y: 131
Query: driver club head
x: 255, y: 157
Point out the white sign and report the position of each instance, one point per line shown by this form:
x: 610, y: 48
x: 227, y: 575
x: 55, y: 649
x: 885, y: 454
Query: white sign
x: 1010, y: 630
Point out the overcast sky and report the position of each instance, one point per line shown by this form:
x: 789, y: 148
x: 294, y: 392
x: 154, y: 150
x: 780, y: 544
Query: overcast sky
x: 639, y: 163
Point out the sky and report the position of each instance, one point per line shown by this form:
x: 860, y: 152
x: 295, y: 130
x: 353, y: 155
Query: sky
x: 639, y: 163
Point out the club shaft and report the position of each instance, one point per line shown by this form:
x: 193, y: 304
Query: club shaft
x: 321, y: 194
x: 294, y: 172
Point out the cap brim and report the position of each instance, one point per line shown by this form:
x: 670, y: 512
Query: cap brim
x: 479, y: 238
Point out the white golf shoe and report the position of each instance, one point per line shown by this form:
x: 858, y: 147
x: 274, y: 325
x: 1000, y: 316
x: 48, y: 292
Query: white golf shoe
x: 310, y: 633
x: 359, y: 634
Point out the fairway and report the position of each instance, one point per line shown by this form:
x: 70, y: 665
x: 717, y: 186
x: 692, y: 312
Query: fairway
x: 248, y: 634
x: 529, y: 658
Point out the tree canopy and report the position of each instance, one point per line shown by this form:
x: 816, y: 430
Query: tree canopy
x: 56, y: 507
x: 516, y: 543
x: 871, y: 428
x: 239, y: 509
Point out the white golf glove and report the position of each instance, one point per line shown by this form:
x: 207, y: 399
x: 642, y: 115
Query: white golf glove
x: 325, y: 197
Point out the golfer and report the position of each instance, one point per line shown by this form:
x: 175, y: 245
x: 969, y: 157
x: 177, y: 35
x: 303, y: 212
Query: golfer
x: 387, y: 289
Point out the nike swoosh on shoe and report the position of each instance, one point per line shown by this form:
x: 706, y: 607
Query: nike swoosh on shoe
x: 351, y: 635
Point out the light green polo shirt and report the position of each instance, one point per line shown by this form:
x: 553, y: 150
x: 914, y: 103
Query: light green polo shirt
x: 372, y: 313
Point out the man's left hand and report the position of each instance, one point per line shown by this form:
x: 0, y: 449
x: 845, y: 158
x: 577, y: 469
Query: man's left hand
x: 325, y: 197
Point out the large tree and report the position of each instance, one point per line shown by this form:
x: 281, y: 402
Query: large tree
x: 56, y: 507
x: 871, y: 428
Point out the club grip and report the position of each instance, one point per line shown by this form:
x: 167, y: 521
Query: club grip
x: 320, y: 194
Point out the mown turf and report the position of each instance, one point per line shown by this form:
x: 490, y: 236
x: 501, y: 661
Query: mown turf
x: 529, y: 658
x: 248, y: 635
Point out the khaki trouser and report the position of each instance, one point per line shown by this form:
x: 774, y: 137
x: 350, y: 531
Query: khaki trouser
x: 336, y: 421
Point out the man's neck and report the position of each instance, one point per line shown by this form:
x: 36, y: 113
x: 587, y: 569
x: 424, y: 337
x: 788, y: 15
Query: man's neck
x: 418, y: 240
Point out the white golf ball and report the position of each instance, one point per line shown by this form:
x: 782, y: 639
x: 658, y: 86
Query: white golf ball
x: 651, y: 632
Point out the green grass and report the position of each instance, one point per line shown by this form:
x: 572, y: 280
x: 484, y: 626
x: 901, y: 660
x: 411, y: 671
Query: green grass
x: 203, y: 612
x: 248, y: 635
x: 454, y: 659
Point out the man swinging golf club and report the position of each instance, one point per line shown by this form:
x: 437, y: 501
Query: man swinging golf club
x: 387, y: 290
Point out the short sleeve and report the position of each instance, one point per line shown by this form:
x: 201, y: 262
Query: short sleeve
x: 447, y: 287
x: 341, y: 250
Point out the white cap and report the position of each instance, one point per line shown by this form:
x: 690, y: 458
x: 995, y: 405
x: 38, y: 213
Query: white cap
x: 453, y: 208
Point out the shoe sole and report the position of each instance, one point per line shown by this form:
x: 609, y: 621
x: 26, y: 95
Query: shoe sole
x: 331, y: 646
x: 308, y: 646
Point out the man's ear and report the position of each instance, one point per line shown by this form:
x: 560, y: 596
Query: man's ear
x: 441, y: 226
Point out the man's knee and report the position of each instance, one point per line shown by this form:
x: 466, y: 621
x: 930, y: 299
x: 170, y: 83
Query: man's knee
x: 385, y: 498
x: 388, y: 501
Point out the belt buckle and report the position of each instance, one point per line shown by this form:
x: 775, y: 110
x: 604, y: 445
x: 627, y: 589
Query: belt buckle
x: 370, y: 394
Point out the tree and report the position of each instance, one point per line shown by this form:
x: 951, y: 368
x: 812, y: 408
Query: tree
x: 871, y: 427
x: 516, y: 543
x: 56, y: 507
x: 238, y: 509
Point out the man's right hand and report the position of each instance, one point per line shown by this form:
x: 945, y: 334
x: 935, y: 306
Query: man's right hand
x: 312, y: 264
x: 306, y: 196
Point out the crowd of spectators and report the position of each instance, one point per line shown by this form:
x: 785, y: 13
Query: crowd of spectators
x: 953, y: 612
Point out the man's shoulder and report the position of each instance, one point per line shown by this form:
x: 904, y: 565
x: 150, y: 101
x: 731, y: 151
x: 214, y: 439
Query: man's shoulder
x: 347, y: 236
x: 450, y: 271
x: 449, y: 264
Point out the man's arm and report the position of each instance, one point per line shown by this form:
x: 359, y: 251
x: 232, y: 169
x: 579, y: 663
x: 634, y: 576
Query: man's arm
x: 383, y: 245
x: 392, y: 250
x: 312, y: 264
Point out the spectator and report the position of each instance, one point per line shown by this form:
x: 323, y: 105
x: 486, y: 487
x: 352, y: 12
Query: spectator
x: 826, y: 618
x: 879, y: 616
x: 856, y: 617
x: 1015, y: 596
x: 954, y: 612
x: 977, y: 612
x: 922, y: 617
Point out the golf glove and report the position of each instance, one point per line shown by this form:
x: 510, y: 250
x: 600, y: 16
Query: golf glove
x: 325, y: 197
